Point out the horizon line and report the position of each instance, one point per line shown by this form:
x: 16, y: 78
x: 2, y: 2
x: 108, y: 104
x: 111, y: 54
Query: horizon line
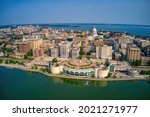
x: 75, y: 23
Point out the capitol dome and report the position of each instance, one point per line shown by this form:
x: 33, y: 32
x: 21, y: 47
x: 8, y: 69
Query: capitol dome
x: 94, y: 32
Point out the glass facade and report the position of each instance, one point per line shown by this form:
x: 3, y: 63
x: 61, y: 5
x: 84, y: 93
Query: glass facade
x: 76, y: 72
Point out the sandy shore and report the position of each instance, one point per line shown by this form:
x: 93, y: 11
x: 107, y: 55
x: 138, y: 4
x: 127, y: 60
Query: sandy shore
x: 66, y: 76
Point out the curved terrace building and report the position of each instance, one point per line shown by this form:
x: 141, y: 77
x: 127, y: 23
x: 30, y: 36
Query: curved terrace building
x: 80, y: 68
x: 78, y: 72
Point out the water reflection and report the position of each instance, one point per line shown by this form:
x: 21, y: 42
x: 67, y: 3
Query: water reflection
x: 76, y: 82
x: 131, y: 81
x: 148, y: 81
x: 57, y: 80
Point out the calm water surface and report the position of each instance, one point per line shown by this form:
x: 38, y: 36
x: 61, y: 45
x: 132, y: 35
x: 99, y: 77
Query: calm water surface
x: 141, y: 30
x: 18, y: 84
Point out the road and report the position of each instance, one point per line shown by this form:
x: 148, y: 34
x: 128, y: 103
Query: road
x: 140, y: 68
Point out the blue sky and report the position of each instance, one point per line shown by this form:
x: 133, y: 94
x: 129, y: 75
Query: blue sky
x: 75, y: 11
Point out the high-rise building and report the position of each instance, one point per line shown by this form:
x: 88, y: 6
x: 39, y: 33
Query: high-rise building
x: 133, y: 53
x: 104, y: 52
x: 147, y: 50
x: 54, y: 52
x: 75, y: 53
x: 35, y: 45
x: 64, y: 49
x: 24, y: 47
x: 37, y: 52
x: 34, y: 42
x: 143, y: 43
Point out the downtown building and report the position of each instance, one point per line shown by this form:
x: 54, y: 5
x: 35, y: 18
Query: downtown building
x: 24, y: 47
x: 35, y: 45
x: 37, y: 52
x: 133, y: 53
x: 75, y: 53
x: 65, y: 49
x: 54, y: 52
x: 104, y: 52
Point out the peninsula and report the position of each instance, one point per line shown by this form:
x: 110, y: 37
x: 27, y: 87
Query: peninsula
x: 76, y: 54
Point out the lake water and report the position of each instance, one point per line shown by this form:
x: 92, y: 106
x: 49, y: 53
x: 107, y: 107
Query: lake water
x: 139, y: 30
x: 18, y: 84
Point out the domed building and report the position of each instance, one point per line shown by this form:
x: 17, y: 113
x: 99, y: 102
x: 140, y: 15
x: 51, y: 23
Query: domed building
x: 94, y: 32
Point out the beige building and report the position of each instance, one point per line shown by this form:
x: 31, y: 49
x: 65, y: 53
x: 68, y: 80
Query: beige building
x: 104, y: 52
x: 133, y: 53
x: 37, y: 52
x: 76, y: 44
x: 143, y: 43
x: 35, y: 45
x: 145, y: 60
x: 34, y: 42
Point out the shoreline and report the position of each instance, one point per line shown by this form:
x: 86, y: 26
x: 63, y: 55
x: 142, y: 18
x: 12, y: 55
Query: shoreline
x: 12, y: 66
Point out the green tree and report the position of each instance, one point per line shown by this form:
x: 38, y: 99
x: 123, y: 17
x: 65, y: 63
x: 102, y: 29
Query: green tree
x: 144, y: 72
x: 88, y: 57
x: 1, y: 60
x: 107, y: 63
x: 113, y: 57
x: 9, y: 50
x: 80, y: 56
x: 54, y: 60
x: 25, y: 56
x: 89, y: 53
x: 29, y: 53
x: 82, y: 51
x: 135, y: 63
x: 35, y: 67
x: 121, y: 59
x: 148, y: 63
x: 93, y: 76
x: 61, y: 73
x: 114, y: 76
x: 108, y: 75
x: 7, y: 62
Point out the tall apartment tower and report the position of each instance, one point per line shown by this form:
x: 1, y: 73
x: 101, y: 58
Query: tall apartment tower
x: 64, y: 49
x: 36, y: 43
x: 75, y: 53
x: 133, y: 53
x: 24, y: 47
x: 54, y: 52
x: 104, y: 52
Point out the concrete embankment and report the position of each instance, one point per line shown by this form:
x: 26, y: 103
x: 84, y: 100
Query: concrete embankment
x: 67, y: 76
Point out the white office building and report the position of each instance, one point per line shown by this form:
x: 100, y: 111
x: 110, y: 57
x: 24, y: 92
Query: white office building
x: 104, y: 52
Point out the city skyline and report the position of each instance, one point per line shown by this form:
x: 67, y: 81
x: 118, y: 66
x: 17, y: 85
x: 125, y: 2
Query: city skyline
x: 66, y: 11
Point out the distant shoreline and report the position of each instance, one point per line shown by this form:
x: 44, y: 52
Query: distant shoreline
x: 131, y: 29
x: 65, y: 76
x: 77, y: 23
